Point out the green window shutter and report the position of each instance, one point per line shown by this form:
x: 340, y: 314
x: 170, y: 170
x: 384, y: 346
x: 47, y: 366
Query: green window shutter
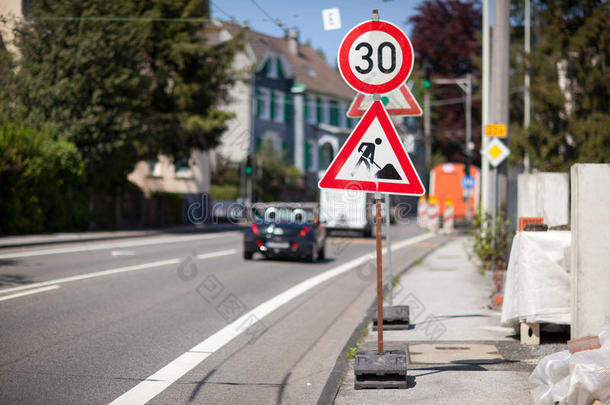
x: 287, y: 107
x: 307, y: 157
x: 306, y: 100
x: 266, y: 68
x: 259, y: 142
x: 318, y: 109
x: 272, y: 115
x: 334, y: 113
x: 258, y: 102
x: 280, y: 72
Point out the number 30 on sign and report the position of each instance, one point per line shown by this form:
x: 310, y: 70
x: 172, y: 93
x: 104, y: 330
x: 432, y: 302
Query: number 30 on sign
x: 375, y: 57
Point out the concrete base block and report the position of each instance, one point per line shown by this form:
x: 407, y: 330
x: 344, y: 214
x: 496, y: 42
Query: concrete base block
x: 378, y: 371
x: 530, y: 333
x: 394, y: 318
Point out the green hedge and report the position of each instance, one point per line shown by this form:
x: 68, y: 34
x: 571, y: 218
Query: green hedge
x: 42, y: 181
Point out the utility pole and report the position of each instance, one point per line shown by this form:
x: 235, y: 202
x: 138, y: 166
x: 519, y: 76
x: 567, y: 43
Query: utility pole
x: 485, y: 194
x: 427, y: 131
x: 465, y: 84
x: 526, y: 82
x: 252, y: 136
x: 499, y: 82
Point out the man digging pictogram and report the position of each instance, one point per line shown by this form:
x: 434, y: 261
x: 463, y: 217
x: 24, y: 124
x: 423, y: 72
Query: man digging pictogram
x: 367, y: 149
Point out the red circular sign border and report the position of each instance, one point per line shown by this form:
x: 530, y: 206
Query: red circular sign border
x: 390, y: 29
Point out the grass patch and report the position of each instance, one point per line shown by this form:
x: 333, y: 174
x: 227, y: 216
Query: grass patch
x: 395, y: 280
x: 353, y: 350
x: 416, y: 262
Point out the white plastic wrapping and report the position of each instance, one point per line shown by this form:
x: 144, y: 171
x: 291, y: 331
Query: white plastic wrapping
x: 574, y: 379
x: 537, y: 287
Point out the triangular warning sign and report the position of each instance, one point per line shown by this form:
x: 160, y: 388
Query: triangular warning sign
x: 399, y: 102
x: 373, y: 159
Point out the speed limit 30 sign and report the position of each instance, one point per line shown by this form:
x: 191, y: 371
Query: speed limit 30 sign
x: 375, y: 57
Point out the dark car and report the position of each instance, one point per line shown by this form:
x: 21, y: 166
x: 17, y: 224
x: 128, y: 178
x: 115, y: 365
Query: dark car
x: 286, y: 230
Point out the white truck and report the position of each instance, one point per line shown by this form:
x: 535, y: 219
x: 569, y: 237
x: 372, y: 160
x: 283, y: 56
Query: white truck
x: 347, y: 210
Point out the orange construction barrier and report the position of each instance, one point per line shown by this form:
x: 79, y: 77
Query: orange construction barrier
x: 422, y: 215
x: 433, y: 218
x: 446, y: 183
x: 448, y: 226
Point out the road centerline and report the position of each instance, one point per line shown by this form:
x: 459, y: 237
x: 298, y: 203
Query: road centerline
x: 177, y: 368
x: 29, y: 292
x: 113, y: 245
x: 118, y: 270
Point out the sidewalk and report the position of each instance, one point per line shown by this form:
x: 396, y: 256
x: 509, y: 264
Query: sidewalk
x: 69, y: 237
x: 457, y: 351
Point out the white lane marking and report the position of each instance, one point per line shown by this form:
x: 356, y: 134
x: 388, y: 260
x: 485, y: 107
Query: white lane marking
x: 35, y: 291
x: 115, y: 271
x: 111, y: 245
x: 216, y: 254
x: 123, y: 253
x: 162, y: 379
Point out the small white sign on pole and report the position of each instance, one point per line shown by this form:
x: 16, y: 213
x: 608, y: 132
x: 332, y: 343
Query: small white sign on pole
x: 331, y: 19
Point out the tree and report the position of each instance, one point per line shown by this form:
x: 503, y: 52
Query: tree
x: 444, y: 35
x: 125, y: 88
x: 570, y: 87
x: 278, y: 179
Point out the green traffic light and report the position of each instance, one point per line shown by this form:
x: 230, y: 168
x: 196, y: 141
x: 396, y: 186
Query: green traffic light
x: 248, y: 170
x: 427, y: 84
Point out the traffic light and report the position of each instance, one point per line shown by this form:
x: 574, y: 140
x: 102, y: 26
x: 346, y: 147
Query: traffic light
x: 248, y: 169
x: 427, y: 69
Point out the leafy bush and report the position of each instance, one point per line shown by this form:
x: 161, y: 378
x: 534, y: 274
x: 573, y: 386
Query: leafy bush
x: 42, y: 181
x: 225, y: 192
x: 491, y: 257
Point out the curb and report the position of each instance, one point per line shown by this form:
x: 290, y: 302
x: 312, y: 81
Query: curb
x: 333, y: 383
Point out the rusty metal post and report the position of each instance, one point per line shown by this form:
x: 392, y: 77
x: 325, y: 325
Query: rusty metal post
x: 379, y: 275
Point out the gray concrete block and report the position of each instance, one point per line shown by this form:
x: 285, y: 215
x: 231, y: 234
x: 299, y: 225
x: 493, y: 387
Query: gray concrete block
x: 394, y: 318
x: 389, y: 362
x: 379, y: 371
x: 590, y: 247
x: 544, y: 195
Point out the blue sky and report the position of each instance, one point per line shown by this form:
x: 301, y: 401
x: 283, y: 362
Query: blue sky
x: 306, y: 16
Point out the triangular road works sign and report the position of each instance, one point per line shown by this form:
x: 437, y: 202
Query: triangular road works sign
x: 373, y: 159
x: 399, y: 102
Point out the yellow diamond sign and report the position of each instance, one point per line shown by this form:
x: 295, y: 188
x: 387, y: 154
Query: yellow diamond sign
x: 495, y: 152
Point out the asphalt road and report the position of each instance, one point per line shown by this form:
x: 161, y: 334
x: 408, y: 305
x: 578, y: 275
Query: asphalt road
x: 181, y: 318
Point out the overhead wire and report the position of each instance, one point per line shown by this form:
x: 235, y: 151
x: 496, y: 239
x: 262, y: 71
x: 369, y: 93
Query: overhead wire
x: 276, y: 21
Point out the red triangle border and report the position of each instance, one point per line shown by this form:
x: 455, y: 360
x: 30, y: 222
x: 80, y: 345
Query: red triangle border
x: 376, y: 110
x: 414, y: 109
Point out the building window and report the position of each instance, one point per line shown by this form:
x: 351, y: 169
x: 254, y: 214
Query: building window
x: 342, y: 115
x: 181, y: 167
x: 325, y: 111
x: 325, y: 155
x: 333, y: 111
x: 155, y: 168
x: 263, y: 103
x: 310, y: 110
x: 277, y: 106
